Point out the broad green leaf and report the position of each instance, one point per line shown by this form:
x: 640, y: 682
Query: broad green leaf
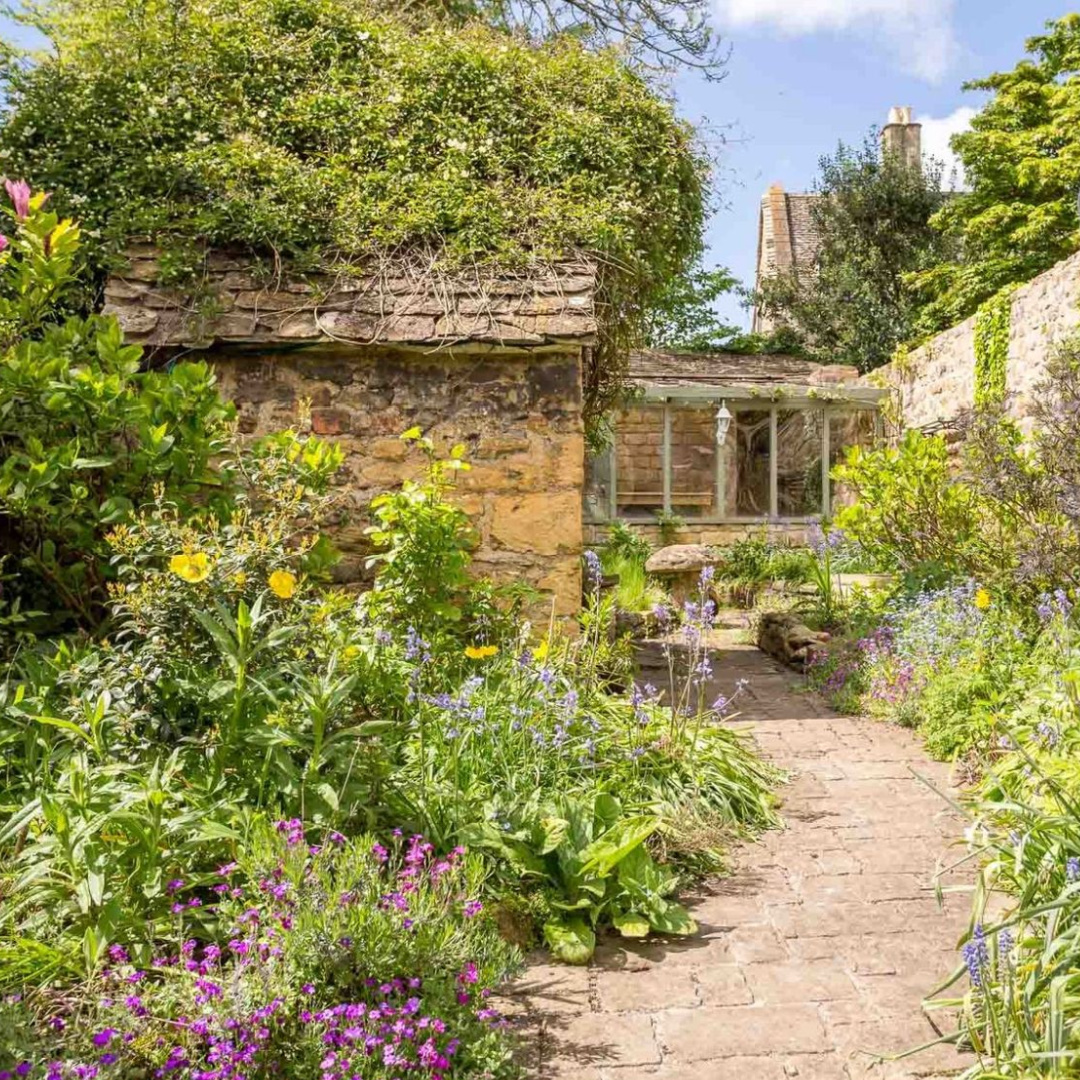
x: 630, y: 924
x: 572, y: 941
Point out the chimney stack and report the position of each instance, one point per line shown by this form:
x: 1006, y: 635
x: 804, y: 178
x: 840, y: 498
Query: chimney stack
x: 902, y: 136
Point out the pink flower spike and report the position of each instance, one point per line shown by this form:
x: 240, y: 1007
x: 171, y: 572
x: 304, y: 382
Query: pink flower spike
x: 3, y: 241
x: 19, y: 193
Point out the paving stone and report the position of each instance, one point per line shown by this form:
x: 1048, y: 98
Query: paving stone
x: 723, y: 984
x: 602, y: 1039
x: 819, y: 946
x: 658, y: 988
x: 553, y: 988
x: 756, y: 944
x: 779, y: 984
x: 751, y: 1030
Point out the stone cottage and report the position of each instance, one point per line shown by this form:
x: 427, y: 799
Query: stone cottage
x: 723, y: 445
x: 494, y: 364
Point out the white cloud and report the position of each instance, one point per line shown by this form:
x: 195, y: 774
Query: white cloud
x: 936, y: 132
x: 918, y: 33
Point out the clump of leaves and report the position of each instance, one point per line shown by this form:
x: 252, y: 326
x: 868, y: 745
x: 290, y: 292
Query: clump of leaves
x: 1017, y: 216
x: 86, y: 436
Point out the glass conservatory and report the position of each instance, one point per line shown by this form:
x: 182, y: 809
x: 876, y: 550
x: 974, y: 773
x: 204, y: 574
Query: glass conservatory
x: 729, y: 452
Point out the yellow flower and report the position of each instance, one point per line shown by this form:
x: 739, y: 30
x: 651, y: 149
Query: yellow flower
x: 541, y: 651
x: 349, y: 652
x: 239, y: 579
x: 192, y: 568
x: 282, y: 584
x: 482, y: 652
x: 983, y: 599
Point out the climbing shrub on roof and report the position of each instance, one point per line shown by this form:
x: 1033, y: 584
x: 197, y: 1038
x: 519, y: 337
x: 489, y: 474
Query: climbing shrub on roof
x: 330, y: 135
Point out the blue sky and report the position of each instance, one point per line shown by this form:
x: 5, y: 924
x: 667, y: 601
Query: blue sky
x: 804, y: 74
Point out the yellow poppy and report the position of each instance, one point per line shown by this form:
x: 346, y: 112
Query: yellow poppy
x: 282, y: 584
x: 541, y: 651
x: 983, y: 599
x: 192, y: 568
x: 481, y: 652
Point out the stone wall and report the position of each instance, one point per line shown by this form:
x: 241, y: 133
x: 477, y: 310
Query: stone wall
x: 936, y: 382
x: 720, y: 535
x: 519, y: 415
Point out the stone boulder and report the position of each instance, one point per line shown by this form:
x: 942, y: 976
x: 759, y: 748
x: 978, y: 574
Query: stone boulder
x: 679, y: 568
x: 786, y: 638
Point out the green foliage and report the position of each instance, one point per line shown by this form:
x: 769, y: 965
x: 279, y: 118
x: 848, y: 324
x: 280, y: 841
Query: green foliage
x: 1019, y: 1010
x: 911, y: 509
x: 624, y: 555
x: 337, y: 136
x: 296, y: 934
x: 595, y: 855
x: 86, y: 437
x: 992, y: 324
x: 625, y: 542
x: 1021, y: 162
x: 684, y: 318
x: 872, y: 218
x: 758, y: 560
x: 238, y: 689
x: 669, y: 524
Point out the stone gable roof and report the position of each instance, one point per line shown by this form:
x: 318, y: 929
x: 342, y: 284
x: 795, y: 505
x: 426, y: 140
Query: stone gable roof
x: 654, y: 368
x: 234, y: 305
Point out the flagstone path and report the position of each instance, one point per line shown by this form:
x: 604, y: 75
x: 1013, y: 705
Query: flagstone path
x: 813, y: 956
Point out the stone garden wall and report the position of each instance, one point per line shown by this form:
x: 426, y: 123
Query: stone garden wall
x: 935, y: 383
x: 496, y: 364
x: 519, y: 416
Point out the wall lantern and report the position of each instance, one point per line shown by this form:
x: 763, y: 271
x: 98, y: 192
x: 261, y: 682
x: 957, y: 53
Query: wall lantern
x: 723, y: 423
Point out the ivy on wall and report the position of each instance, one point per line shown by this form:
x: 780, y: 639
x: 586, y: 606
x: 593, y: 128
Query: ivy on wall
x: 992, y: 324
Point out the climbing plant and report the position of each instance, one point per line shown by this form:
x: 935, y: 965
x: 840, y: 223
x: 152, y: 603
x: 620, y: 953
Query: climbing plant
x: 992, y: 323
x: 341, y: 138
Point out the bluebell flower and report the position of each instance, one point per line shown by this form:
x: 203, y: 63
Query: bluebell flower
x: 976, y: 956
x: 594, y: 572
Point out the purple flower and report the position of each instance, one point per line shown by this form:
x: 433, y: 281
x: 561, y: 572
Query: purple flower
x: 976, y: 956
x: 594, y: 572
x: 472, y: 908
x: 1072, y: 869
x: 19, y: 193
x: 175, y: 885
x: 104, y: 1037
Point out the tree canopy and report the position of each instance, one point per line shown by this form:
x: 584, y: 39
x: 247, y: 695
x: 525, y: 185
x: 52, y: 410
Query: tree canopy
x: 330, y: 133
x: 1021, y: 160
x: 873, y: 224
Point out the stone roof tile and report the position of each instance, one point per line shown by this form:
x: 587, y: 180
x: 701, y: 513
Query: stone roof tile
x: 542, y: 307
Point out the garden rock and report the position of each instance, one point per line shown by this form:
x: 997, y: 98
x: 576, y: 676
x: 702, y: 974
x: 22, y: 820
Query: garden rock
x: 786, y: 638
x: 679, y: 567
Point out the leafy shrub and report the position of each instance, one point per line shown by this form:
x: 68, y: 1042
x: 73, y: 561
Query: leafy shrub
x: 237, y: 688
x: 913, y: 512
x: 85, y: 436
x: 339, y: 959
x: 331, y: 133
x: 1020, y: 1011
x: 948, y: 662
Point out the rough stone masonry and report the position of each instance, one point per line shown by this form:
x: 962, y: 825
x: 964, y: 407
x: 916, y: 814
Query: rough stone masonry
x: 496, y: 365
